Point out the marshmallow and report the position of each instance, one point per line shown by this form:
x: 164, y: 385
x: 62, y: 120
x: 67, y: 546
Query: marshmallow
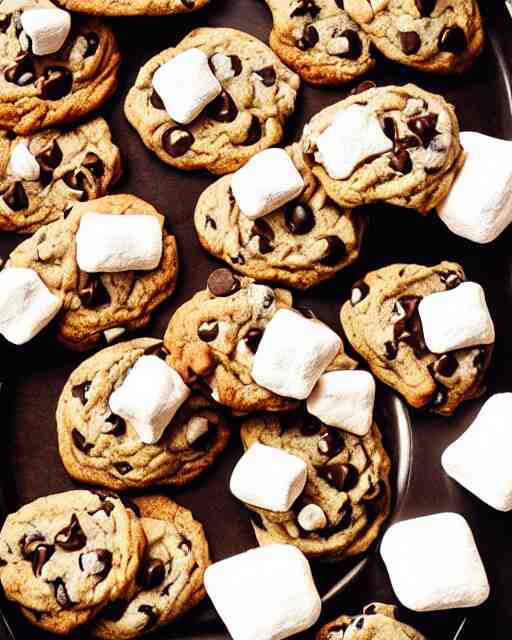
x: 312, y: 518
x: 479, y: 204
x: 47, y: 29
x: 186, y: 85
x: 197, y: 427
x: 110, y: 243
x: 22, y: 164
x: 111, y: 335
x: 26, y: 304
x: 434, y: 564
x: 268, y: 478
x: 149, y: 397
x: 265, y: 183
x: 293, y: 354
x: 264, y: 594
x: 456, y: 318
x: 354, y: 136
x: 344, y: 399
x: 480, y: 459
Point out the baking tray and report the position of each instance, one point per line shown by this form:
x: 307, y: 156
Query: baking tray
x: 32, y: 377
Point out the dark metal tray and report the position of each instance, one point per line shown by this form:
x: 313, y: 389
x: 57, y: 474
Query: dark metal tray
x: 32, y: 377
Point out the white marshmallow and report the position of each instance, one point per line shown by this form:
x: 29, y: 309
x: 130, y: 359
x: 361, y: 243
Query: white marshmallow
x: 186, y: 85
x: 26, y: 304
x: 46, y: 28
x: 22, y: 164
x: 312, y: 518
x: 344, y: 399
x: 456, y: 318
x: 197, y: 427
x: 293, y: 354
x: 265, y: 183
x: 354, y: 136
x: 111, y: 335
x: 149, y: 397
x: 268, y: 478
x: 479, y: 204
x: 109, y: 243
x: 480, y: 459
x: 264, y: 594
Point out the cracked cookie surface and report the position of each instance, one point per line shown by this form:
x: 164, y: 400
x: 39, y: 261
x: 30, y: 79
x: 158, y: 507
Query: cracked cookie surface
x: 133, y: 7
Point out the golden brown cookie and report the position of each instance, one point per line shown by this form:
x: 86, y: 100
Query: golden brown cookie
x: 133, y: 7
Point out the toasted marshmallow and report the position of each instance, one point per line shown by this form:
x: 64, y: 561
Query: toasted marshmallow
x: 268, y: 478
x: 186, y: 85
x: 344, y: 399
x: 479, y: 204
x: 149, y: 397
x: 264, y: 594
x: 434, y: 564
x: 293, y: 354
x: 26, y: 304
x: 110, y: 244
x: 265, y: 183
x: 456, y: 318
x: 354, y: 136
x: 47, y: 29
x: 22, y: 164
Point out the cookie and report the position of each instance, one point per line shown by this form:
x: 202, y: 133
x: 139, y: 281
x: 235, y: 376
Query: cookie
x: 212, y: 339
x: 133, y: 7
x: 319, y: 40
x: 170, y: 579
x: 382, y: 323
x: 300, y: 245
x: 258, y: 94
x: 99, y: 447
x: 415, y: 169
x: 64, y: 557
x: 377, y: 622
x: 40, y: 91
x: 347, y: 496
x: 97, y: 306
x: 439, y: 36
x: 43, y: 175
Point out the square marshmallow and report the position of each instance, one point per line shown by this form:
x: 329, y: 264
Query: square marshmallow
x: 479, y: 204
x: 293, y: 354
x: 26, y: 304
x: 456, y: 318
x: 264, y: 594
x: 354, y: 136
x: 265, y: 183
x: 480, y: 459
x: 434, y: 564
x: 47, y: 29
x: 344, y: 399
x: 111, y: 244
x: 268, y: 478
x: 186, y: 84
x: 149, y: 397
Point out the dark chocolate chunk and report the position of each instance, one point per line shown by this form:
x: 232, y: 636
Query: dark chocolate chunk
x: 308, y: 39
x: 343, y: 477
x: 305, y: 7
x: 388, y: 125
x: 101, y: 560
x: 453, y: 40
x: 239, y: 259
x: 51, y: 157
x: 410, y: 42
x: 266, y: 235
x: 299, y: 219
x: 253, y: 339
x: 93, y: 41
x: 118, y: 427
x: 267, y: 75
x: 29, y: 542
x: 330, y: 442
x: 57, y: 83
x: 253, y: 133
x: 80, y: 442
x: 72, y: 537
x: 310, y: 426
x: 390, y: 350
x: 107, y: 508
x: 177, y: 141
x: 80, y: 391
x: 61, y: 594
x: 94, y: 164
x: 76, y: 180
x: 370, y: 610
x: 123, y: 467
x: 22, y: 72
x: 424, y: 127
x: 156, y: 101
x: 152, y: 616
x: 5, y: 22
x: 208, y: 331
x: 209, y: 222
x: 257, y: 520
x: 151, y: 574
x: 222, y: 108
x: 359, y: 623
x: 335, y: 253
x: 446, y: 366
x: 15, y: 197
x: 401, y: 161
x: 425, y: 7
x: 450, y: 279
x: 40, y: 556
x: 408, y: 142
x: 94, y: 295
x: 223, y: 283
x: 355, y: 46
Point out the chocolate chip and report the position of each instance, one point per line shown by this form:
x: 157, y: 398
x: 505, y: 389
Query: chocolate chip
x: 305, y: 7
x: 408, y: 327
x: 185, y: 545
x: 446, y: 366
x: 106, y: 508
x: 330, y: 443
x: 72, y: 537
x: 480, y: 359
x: 5, y: 22
x: 359, y: 292
x: 223, y: 283
x: 239, y: 259
x: 359, y: 623
x: 29, y: 542
x: 80, y: 442
x: 388, y: 125
x: 253, y: 133
x: 346, y: 518
x: 123, y: 467
x: 151, y: 574
x: 93, y: 41
x: 157, y: 350
x: 410, y: 42
x: 401, y: 161
x: 424, y: 127
x: 355, y: 46
x: 23, y: 72
x: 453, y: 40
x: 76, y: 180
x: 362, y: 87
x: 257, y: 520
x: 58, y: 82
x: 94, y: 164
x: 236, y: 65
x: 267, y: 75
x: 222, y: 108
x: 51, y: 157
x: 310, y: 426
x: 118, y: 427
x: 342, y: 477
x: 309, y: 38
x: 390, y: 350
x: 450, y: 279
x: 266, y: 235
x: 156, y: 101
x: 253, y: 339
x: 408, y: 142
x: 208, y: 331
x: 425, y: 7
x: 370, y: 610
x: 209, y: 222
x: 177, y: 141
x: 114, y: 610
x: 340, y: 4
x: 299, y: 219
x: 15, y: 197
x: 152, y: 616
x: 94, y: 295
x: 336, y: 251
x: 61, y: 594
x: 40, y: 556
x: 96, y: 563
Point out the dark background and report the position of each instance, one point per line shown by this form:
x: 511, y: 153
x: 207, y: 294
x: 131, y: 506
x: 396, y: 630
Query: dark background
x: 34, y: 375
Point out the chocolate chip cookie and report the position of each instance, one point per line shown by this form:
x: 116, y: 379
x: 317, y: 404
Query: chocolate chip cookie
x: 439, y: 36
x: 64, y: 557
x: 347, y: 496
x: 99, y: 447
x: 382, y: 323
x: 423, y: 159
x: 300, y: 245
x: 97, y: 307
x: 377, y: 622
x: 319, y: 40
x: 133, y: 7
x: 170, y: 579
x: 258, y: 94
x: 43, y: 175
x: 39, y: 91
